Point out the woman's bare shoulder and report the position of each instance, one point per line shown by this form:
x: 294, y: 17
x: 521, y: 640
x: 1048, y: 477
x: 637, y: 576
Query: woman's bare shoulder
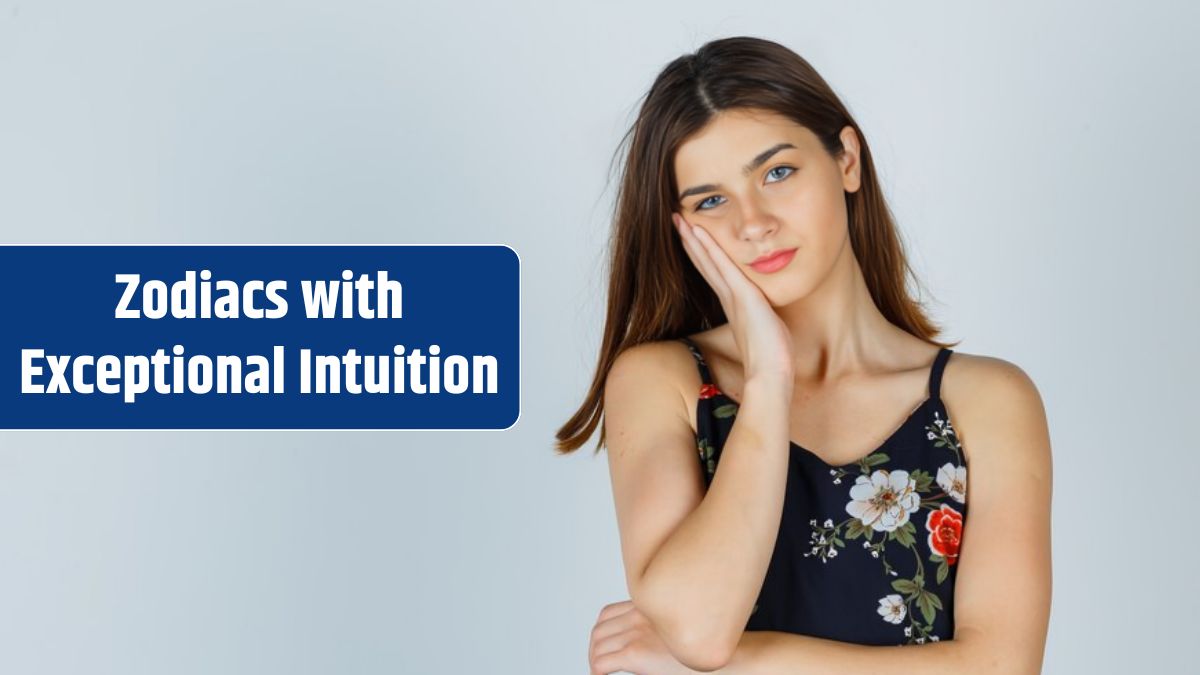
x: 665, y: 368
x: 667, y: 361
x: 970, y: 375
x: 989, y: 397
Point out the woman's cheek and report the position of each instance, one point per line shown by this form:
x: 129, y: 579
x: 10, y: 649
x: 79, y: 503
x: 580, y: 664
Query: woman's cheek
x: 716, y: 233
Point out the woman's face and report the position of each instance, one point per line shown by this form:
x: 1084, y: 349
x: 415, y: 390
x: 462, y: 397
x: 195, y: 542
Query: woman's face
x: 758, y: 183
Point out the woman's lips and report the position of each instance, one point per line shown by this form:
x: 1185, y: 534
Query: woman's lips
x: 775, y: 262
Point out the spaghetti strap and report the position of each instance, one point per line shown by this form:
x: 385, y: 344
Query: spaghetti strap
x: 705, y: 376
x: 935, y: 374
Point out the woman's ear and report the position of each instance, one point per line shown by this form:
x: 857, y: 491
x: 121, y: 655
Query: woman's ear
x: 849, y: 160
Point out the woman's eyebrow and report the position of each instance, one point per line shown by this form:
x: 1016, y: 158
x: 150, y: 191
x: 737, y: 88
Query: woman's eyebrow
x: 758, y: 161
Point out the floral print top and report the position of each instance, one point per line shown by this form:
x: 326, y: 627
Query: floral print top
x: 866, y: 551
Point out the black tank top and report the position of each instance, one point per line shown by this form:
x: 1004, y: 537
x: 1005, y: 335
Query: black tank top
x: 866, y: 551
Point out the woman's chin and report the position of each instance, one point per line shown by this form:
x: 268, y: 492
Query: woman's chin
x: 783, y: 293
x: 779, y: 299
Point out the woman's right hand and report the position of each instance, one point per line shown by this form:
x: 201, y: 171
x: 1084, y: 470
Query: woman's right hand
x: 762, y: 338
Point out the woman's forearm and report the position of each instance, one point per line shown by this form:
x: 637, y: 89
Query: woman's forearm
x: 771, y: 652
x: 700, y: 587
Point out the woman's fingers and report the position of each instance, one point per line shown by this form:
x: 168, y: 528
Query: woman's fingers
x: 612, y: 662
x: 614, y: 609
x: 609, y: 636
x: 612, y: 643
x: 611, y: 625
x: 729, y: 271
x: 700, y: 256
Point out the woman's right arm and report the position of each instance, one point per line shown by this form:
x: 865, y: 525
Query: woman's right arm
x: 694, y: 561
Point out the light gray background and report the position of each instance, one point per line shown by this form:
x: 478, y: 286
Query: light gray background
x: 1040, y: 158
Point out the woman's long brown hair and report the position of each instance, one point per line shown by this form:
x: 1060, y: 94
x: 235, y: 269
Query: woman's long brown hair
x: 654, y: 293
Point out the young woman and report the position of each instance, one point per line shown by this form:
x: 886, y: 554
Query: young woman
x: 791, y: 492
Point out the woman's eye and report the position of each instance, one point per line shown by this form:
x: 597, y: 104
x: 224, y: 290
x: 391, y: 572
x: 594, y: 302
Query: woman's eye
x: 780, y: 168
x: 788, y: 169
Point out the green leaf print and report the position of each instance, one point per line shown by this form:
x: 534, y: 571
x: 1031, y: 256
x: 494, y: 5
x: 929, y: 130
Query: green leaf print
x: 906, y: 535
x: 927, y: 610
x: 935, y: 601
x: 877, y: 459
x: 727, y: 410
x: 706, y: 455
x: 943, y: 571
x: 856, y: 529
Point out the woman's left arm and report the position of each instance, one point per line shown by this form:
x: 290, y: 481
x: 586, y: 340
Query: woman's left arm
x: 1003, y: 586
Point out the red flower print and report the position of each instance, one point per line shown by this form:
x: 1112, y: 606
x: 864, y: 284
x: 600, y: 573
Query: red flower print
x: 709, y: 391
x: 945, y: 532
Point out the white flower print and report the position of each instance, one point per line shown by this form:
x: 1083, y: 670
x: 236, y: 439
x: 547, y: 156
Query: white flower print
x: 892, y: 608
x: 885, y: 500
x: 953, y: 479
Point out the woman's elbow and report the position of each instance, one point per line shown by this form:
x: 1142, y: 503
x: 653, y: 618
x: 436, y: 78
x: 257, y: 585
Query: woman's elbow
x: 705, y: 654
x: 695, y: 637
x: 694, y: 645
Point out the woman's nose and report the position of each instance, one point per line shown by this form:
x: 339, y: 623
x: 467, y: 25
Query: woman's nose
x: 756, y: 221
